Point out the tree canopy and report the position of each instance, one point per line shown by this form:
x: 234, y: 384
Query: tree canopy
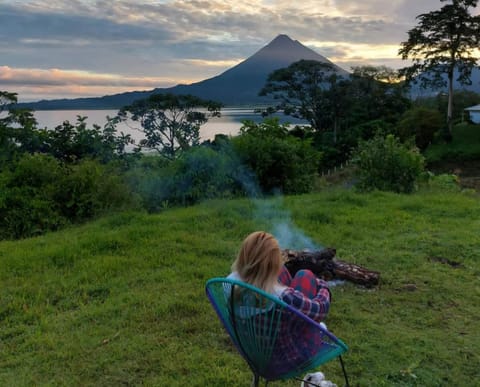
x: 171, y: 123
x: 300, y: 89
x: 442, y: 44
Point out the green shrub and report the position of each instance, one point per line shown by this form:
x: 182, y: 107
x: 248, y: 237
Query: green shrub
x: 465, y: 145
x: 279, y: 160
x: 39, y: 193
x: 384, y: 163
x: 198, y: 174
x: 27, y: 188
x: 71, y: 142
x: 420, y: 123
x: 444, y: 182
x: 89, y: 188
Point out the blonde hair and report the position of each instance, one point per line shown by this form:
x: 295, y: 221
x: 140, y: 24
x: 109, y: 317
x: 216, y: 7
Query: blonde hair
x: 259, y: 261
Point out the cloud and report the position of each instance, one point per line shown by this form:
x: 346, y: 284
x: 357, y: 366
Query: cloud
x: 77, y: 83
x: 213, y: 63
x: 190, y: 40
x: 18, y: 24
x: 60, y: 77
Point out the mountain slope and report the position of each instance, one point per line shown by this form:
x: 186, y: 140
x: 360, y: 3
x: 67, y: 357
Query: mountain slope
x: 238, y: 85
x: 241, y: 83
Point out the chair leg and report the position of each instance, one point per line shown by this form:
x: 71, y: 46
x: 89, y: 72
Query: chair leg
x: 256, y: 380
x: 344, y: 372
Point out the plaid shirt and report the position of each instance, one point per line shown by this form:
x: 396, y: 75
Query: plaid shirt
x: 298, y: 341
x: 316, y: 308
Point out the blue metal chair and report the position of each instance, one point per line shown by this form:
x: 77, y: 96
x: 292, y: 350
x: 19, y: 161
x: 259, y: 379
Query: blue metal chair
x: 277, y: 341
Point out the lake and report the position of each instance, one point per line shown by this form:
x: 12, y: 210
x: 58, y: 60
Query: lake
x: 229, y: 123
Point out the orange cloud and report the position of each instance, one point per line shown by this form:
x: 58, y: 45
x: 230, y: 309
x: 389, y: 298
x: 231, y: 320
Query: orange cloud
x: 53, y: 83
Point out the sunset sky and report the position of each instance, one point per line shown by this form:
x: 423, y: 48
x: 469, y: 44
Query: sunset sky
x: 74, y: 48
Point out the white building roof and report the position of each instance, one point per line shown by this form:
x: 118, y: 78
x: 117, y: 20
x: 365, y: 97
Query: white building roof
x: 473, y: 108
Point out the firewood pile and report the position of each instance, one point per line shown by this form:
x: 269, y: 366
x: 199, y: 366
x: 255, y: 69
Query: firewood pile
x: 325, y: 264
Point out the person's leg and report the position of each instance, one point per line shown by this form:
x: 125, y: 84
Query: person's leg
x: 306, y: 282
x: 285, y: 278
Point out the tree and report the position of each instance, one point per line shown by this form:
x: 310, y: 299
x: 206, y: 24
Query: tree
x: 18, y: 128
x: 279, y: 160
x: 7, y: 99
x: 170, y: 123
x: 442, y: 44
x: 376, y: 93
x: 301, y: 91
x: 71, y: 142
x: 421, y: 124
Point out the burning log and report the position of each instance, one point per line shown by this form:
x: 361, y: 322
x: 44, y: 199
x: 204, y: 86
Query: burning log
x: 325, y: 265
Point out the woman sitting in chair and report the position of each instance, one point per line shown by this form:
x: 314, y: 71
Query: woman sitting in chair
x: 259, y: 263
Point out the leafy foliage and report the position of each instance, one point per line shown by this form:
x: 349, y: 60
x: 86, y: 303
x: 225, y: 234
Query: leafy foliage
x: 19, y: 134
x: 7, y: 99
x: 199, y: 173
x: 39, y: 193
x: 338, y: 108
x: 70, y: 142
x: 27, y: 189
x: 301, y: 89
x: 170, y: 122
x: 384, y: 163
x: 464, y: 147
x: 420, y: 124
x: 279, y: 160
x: 376, y: 93
x: 442, y: 43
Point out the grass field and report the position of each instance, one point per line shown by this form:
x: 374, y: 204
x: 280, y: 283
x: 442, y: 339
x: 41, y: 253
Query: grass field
x: 120, y: 301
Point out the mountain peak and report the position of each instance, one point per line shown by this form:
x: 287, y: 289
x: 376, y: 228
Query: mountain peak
x: 282, y: 42
x: 282, y: 38
x: 283, y: 51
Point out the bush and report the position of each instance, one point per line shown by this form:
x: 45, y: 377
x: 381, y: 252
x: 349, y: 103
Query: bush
x: 39, y: 193
x: 89, y: 188
x: 27, y: 189
x: 200, y: 173
x: 444, y: 181
x: 279, y: 160
x: 464, y: 147
x: 384, y: 163
x: 420, y: 123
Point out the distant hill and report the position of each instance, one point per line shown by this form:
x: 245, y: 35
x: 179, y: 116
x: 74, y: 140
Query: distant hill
x: 238, y: 85
x: 417, y: 91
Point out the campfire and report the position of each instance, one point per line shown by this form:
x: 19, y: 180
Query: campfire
x: 325, y: 264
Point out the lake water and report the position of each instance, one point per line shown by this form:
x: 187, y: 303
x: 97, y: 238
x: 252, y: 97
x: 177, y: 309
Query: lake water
x: 229, y: 123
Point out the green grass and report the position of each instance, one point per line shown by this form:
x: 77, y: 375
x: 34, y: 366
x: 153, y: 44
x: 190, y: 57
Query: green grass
x: 121, y: 301
x: 464, y: 146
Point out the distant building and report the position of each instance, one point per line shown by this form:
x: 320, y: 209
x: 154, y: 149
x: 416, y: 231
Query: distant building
x: 474, y: 113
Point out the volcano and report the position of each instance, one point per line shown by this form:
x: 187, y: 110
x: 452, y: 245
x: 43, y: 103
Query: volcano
x: 236, y: 86
x: 240, y: 84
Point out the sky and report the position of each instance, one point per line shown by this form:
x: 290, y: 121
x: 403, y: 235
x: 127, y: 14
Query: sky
x: 82, y: 48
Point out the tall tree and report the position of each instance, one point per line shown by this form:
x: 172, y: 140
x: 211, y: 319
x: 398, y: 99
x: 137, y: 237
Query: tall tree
x: 376, y: 93
x: 171, y: 123
x: 441, y: 44
x: 301, y: 91
x: 7, y: 99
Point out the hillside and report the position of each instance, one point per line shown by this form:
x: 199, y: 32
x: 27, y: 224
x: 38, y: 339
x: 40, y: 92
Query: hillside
x: 121, y: 301
x: 238, y: 85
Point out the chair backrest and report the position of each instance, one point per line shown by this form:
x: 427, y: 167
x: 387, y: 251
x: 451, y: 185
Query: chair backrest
x: 276, y: 340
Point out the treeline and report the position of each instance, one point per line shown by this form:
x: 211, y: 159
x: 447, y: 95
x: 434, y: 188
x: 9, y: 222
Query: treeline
x: 52, y: 177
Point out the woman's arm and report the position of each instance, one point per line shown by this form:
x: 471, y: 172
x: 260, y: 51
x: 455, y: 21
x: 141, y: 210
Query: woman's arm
x: 316, y: 308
